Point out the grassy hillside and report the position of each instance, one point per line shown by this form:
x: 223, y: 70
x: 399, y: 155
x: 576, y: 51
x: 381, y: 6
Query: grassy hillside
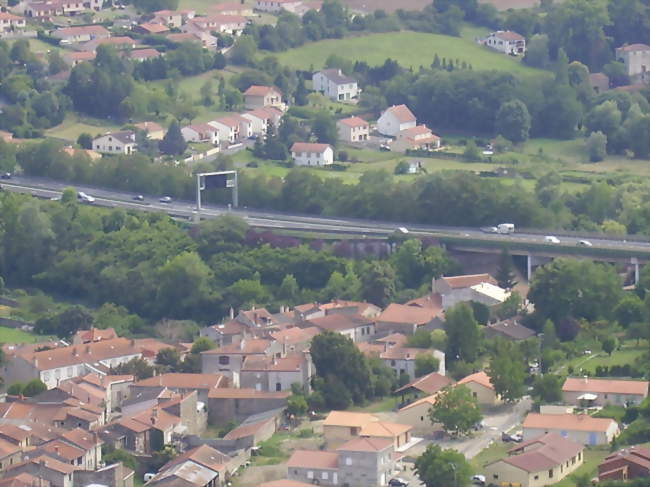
x: 409, y: 48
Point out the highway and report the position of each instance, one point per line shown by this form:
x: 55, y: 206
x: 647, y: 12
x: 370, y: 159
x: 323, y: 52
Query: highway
x: 276, y: 220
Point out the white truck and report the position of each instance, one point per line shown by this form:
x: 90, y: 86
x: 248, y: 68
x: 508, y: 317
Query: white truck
x: 505, y: 228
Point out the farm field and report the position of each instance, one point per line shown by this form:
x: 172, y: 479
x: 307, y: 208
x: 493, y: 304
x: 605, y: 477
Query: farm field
x: 410, y: 49
x: 72, y: 126
x: 12, y: 335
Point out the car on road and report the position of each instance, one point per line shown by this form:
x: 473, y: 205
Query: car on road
x: 516, y: 438
x: 138, y: 197
x: 490, y: 230
x: 397, y: 482
x: 166, y: 199
x: 403, y: 230
x: 551, y: 239
x: 5, y: 175
x: 478, y: 480
x: 585, y: 243
x: 85, y: 198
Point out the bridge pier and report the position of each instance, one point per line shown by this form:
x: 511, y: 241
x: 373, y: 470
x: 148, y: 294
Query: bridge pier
x: 529, y: 267
x: 634, y: 261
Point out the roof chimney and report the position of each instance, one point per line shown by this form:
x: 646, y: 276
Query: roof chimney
x: 88, y: 349
x: 585, y: 378
x: 232, y: 313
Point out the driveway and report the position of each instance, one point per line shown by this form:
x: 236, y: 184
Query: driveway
x: 503, y: 418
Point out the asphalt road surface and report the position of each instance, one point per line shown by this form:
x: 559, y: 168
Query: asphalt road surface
x: 270, y: 219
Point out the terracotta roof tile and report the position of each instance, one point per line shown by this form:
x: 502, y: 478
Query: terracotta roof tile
x: 402, y: 113
x: 606, y: 386
x: 479, y: 378
x: 349, y: 418
x: 412, y: 315
x: 257, y: 90
x: 569, y: 422
x: 354, y: 122
x: 429, y: 384
x: 326, y: 460
x: 366, y: 444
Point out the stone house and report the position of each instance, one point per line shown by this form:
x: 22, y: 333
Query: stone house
x: 277, y: 374
x: 353, y: 129
x: 482, y: 389
x: 626, y: 464
x: 636, y: 58
x: 235, y: 404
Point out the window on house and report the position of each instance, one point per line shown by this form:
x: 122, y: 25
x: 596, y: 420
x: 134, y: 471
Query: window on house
x: 324, y: 475
x: 495, y: 476
x: 224, y: 360
x: 474, y: 394
x: 278, y: 386
x: 348, y: 461
x: 310, y: 475
x: 550, y: 474
x: 536, y: 477
x: 392, y: 363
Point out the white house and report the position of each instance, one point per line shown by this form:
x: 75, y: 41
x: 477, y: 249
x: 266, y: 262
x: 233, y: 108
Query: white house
x: 277, y: 5
x: 229, y: 24
x: 200, y: 132
x: 581, y: 428
x: 9, y: 22
x: 636, y: 58
x: 395, y: 119
x: 82, y: 34
x: 308, y: 154
x: 116, y: 143
x: 505, y: 41
x: 335, y: 85
x: 353, y: 129
x: 260, y: 119
x: 233, y: 128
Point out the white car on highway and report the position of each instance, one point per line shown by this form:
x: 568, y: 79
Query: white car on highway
x: 85, y: 198
x: 585, y: 243
x: 551, y: 239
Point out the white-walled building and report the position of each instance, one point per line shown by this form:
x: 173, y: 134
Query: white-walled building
x: 335, y: 85
x: 353, y: 129
x: 395, y: 119
x: 308, y: 154
x: 116, y: 143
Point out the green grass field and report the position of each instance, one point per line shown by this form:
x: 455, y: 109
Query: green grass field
x: 411, y: 49
x: 626, y: 355
x: 11, y: 335
x: 73, y: 126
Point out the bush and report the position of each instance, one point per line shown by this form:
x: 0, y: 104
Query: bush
x: 343, y: 156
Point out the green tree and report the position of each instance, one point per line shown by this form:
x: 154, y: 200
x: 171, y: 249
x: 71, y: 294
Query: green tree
x: 505, y: 274
x: 463, y: 337
x: 323, y: 126
x: 85, y: 140
x: 202, y: 344
x: 137, y: 367
x: 630, y: 309
x: 341, y: 368
x: 378, y: 283
x: 605, y: 118
x: 513, y: 121
x: 289, y: 291
x: 471, y: 153
x: 425, y: 363
x: 596, y: 146
x: 638, y: 331
x: 341, y: 286
x: 638, y: 136
x: 173, y: 142
x: 572, y: 288
x: 443, y: 468
x: 609, y: 344
x: 549, y: 340
x: 169, y: 358
x: 420, y: 339
x: 537, y: 53
x: 456, y: 410
x: 15, y: 389
x: 119, y: 455
x: 507, y: 370
x: 297, y: 405
x: 548, y: 388
x: 244, y: 51
x: 33, y: 388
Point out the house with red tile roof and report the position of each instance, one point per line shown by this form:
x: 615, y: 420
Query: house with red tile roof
x: 232, y: 8
x: 229, y: 359
x: 407, y: 319
x: 262, y: 118
x: 364, y: 462
x: 81, y: 34
x: 505, y: 41
x: 228, y: 24
x: 232, y: 128
x: 481, y: 288
x: 143, y: 54
x: 93, y: 335
x: 355, y: 326
x: 544, y: 460
x: 626, y: 464
x: 53, y: 366
x: 312, y: 154
x: 227, y: 333
x: 295, y: 339
x: 200, y: 466
x: 419, y: 137
x: 236, y: 404
x: 402, y: 359
x: 200, y: 132
x: 150, y: 28
x: 74, y: 58
x: 181, y: 383
x: 353, y: 129
x: 603, y: 392
x: 257, y: 96
x: 581, y: 428
x: 277, y: 374
x: 395, y: 119
x: 481, y: 387
x: 154, y: 130
x: 635, y: 57
x: 424, y: 386
x: 9, y: 22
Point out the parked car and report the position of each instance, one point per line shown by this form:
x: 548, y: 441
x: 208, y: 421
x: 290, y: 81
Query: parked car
x: 478, y: 480
x: 6, y: 175
x: 585, y: 243
x: 397, y: 482
x: 551, y: 239
x: 138, y: 197
x: 166, y: 199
